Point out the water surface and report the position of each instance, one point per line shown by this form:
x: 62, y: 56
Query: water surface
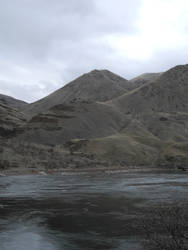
x: 82, y: 212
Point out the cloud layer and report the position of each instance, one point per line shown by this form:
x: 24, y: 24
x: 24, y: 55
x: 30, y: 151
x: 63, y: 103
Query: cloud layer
x: 44, y: 44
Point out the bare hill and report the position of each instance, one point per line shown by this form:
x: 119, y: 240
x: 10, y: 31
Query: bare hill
x: 98, y: 85
x: 99, y: 116
x: 142, y: 79
x: 12, y: 102
x: 10, y: 120
x: 168, y: 93
x: 80, y: 120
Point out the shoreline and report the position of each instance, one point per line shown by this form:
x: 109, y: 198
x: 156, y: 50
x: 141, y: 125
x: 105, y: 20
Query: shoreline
x: 77, y: 172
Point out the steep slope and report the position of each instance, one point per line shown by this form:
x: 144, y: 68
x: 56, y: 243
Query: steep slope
x: 168, y: 93
x: 10, y: 120
x: 12, y: 102
x: 98, y: 85
x: 64, y: 122
x: 158, y: 131
x: 167, y: 126
x: 142, y: 79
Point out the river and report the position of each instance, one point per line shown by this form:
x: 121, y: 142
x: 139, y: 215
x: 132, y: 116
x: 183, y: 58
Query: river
x: 82, y: 212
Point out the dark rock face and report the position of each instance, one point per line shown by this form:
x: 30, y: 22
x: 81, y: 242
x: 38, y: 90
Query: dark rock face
x: 104, y: 119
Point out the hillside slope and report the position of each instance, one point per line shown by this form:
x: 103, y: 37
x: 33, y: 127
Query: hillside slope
x: 12, y: 102
x: 98, y: 85
x: 143, y: 79
x: 64, y: 122
x: 98, y: 117
x: 10, y: 120
x: 168, y: 93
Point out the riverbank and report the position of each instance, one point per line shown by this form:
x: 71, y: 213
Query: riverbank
x: 86, y: 171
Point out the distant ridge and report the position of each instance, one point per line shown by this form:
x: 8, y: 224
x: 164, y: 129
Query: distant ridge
x: 142, y: 79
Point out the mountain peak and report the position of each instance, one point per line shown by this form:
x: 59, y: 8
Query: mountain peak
x: 96, y: 71
x: 95, y: 86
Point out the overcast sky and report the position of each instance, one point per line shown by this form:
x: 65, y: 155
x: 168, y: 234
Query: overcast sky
x: 44, y: 44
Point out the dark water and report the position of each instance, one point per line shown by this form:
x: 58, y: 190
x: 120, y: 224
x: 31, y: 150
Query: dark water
x: 82, y: 212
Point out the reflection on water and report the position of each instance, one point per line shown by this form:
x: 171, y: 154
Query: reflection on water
x: 83, y: 212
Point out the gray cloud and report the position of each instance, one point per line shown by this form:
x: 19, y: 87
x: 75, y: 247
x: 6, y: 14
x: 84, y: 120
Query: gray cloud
x: 45, y: 44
